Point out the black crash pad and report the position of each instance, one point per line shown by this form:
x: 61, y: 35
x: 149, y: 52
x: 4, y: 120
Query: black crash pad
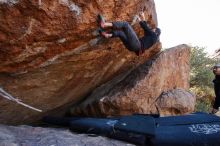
x: 196, y: 129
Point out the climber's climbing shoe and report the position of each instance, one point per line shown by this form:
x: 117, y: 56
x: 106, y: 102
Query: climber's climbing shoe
x: 100, y: 21
x: 102, y: 33
x: 97, y: 32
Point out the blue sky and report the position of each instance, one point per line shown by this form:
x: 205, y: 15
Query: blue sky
x: 194, y: 22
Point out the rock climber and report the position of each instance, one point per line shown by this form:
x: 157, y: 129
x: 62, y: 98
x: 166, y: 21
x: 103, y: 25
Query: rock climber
x: 125, y: 32
x: 216, y: 81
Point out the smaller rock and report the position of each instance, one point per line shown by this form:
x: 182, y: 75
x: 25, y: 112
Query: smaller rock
x: 175, y: 102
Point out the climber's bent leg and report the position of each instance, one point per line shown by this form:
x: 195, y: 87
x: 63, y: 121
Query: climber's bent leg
x: 122, y: 36
x: 133, y: 42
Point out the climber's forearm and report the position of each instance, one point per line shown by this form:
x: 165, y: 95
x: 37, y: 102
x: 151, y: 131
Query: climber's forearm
x: 144, y: 25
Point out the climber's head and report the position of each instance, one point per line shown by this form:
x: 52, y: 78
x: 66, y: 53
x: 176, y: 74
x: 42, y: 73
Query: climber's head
x: 157, y: 31
x: 216, y: 69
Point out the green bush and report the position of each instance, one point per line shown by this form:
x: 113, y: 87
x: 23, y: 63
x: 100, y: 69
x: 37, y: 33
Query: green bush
x: 203, y: 105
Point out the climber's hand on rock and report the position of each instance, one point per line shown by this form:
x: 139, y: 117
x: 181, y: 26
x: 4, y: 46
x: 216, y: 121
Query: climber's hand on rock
x: 142, y: 16
x: 138, y: 19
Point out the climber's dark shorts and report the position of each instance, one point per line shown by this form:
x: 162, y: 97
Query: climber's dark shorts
x: 127, y: 35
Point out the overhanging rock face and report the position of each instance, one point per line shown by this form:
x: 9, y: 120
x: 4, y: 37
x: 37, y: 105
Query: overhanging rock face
x: 139, y: 91
x: 35, y: 33
x: 50, y: 57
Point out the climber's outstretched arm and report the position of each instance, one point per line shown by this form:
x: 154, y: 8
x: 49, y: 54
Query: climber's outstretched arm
x: 143, y: 23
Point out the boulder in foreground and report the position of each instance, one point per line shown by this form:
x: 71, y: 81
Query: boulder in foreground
x: 139, y: 90
x: 38, y: 136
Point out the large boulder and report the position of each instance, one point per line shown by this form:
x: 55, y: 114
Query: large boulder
x: 139, y: 90
x: 37, y: 136
x: 50, y: 57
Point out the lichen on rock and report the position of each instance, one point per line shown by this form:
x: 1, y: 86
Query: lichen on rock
x: 9, y: 2
x: 71, y: 5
